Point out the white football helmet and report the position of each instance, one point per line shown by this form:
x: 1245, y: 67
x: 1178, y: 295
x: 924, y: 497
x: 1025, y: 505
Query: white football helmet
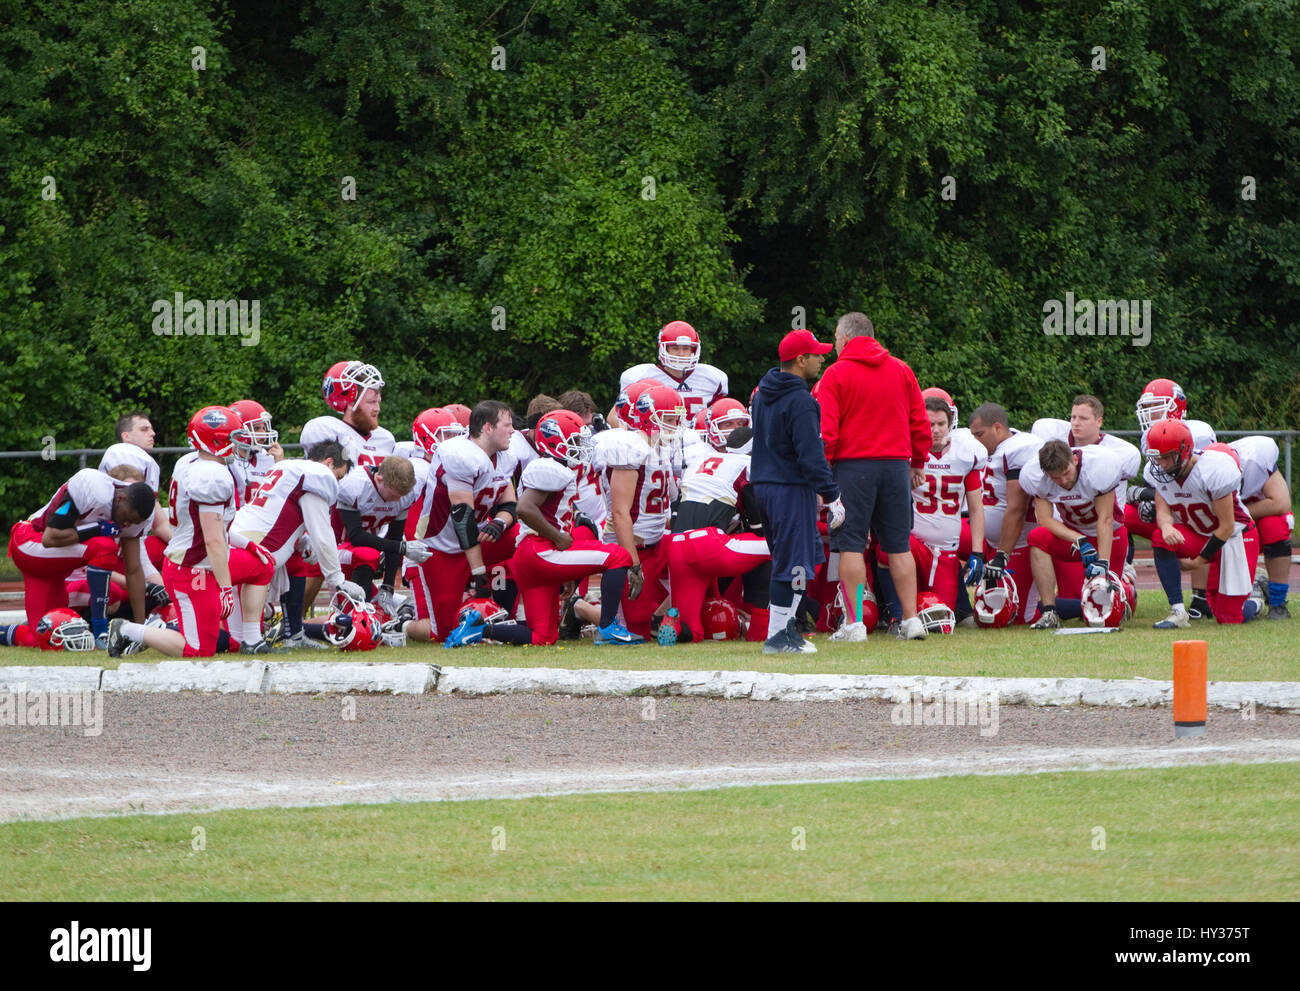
x: 1104, y: 601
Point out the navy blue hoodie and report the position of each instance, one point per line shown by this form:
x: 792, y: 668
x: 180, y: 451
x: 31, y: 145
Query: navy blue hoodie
x: 787, y: 436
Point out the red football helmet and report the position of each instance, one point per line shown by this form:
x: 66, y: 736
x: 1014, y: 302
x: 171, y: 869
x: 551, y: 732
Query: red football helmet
x: 435, y: 425
x: 725, y: 416
x: 870, y: 617
x: 997, y: 606
x: 1129, y: 583
x: 352, y: 624
x: 211, y: 428
x: 563, y: 436
x: 1223, y: 448
x: 346, y: 381
x: 63, y: 629
x: 1170, y: 436
x: 1104, y: 601
x: 489, y: 609
x: 935, y: 614
x: 658, y: 408
x: 1160, y: 399
x: 720, y: 619
x: 679, y: 332
x: 937, y: 393
x: 256, y: 434
x: 628, y: 396
x: 461, y: 412
x: 701, y: 422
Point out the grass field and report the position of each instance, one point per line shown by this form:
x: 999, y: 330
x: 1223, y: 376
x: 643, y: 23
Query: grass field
x: 1260, y: 651
x: 1204, y: 833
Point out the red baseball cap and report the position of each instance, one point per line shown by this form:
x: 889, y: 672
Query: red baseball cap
x: 799, y: 342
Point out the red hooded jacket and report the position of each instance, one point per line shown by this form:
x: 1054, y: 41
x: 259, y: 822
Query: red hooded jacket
x: 872, y: 407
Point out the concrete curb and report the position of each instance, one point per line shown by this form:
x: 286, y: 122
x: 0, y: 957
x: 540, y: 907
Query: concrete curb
x: 309, y: 677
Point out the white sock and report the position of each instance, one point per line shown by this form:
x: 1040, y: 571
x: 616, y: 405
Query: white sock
x: 133, y: 632
x: 1179, y: 607
x: 777, y: 619
x: 253, y: 632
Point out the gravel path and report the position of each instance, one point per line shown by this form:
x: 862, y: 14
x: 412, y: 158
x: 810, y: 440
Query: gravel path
x: 162, y: 753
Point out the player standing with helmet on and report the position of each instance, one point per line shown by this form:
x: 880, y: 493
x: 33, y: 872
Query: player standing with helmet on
x: 679, y: 368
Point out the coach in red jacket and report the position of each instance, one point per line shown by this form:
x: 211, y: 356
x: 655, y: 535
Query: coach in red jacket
x: 877, y: 436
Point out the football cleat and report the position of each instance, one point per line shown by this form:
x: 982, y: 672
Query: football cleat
x: 261, y: 647
x: 471, y: 629
x: 788, y: 641
x: 117, y: 641
x: 616, y: 634
x: 850, y: 633
x: 1199, y: 607
x: 1176, y: 620
x: 1049, y: 620
x: 1278, y: 612
x: 669, y: 629
x: 300, y: 640
x: 911, y: 629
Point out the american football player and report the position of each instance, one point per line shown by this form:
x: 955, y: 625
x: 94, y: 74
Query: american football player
x: 1268, y: 500
x: 1078, y: 486
x: 1201, y: 519
x: 679, y: 368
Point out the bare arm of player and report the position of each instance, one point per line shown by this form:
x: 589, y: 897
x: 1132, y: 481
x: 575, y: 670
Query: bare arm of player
x: 162, y: 526
x: 474, y: 555
x: 1274, y: 498
x: 530, y: 511
x: 975, y: 508
x: 1165, y: 523
x: 1043, y: 510
x: 59, y: 538
x: 1105, y: 506
x: 1013, y: 521
x: 622, y: 491
x: 214, y: 539
x: 134, y: 577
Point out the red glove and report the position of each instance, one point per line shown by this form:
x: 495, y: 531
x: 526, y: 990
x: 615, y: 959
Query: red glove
x: 261, y: 553
x: 228, y: 598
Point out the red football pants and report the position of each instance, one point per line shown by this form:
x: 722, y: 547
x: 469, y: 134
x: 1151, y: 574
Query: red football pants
x: 540, y: 569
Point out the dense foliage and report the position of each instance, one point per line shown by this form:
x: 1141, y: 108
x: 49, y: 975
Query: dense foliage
x: 782, y: 179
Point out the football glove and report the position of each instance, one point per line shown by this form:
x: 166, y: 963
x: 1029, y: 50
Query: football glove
x: 384, y: 599
x: 1146, y: 510
x: 304, y: 547
x: 995, y: 569
x: 1094, y: 569
x: 491, y: 530
x: 1087, y: 553
x: 974, y: 569
x: 227, y: 601
x: 353, y: 591
x: 581, y: 519
x: 416, y: 551
x: 155, y: 596
x: 835, y: 514
x: 260, y: 552
x: 107, y: 528
x: 635, y: 581
x: 480, y: 585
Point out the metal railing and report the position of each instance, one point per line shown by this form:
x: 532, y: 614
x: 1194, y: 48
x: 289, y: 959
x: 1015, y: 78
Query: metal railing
x: 98, y: 452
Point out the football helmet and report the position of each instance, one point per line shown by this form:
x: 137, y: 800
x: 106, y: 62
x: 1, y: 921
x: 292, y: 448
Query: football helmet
x: 870, y: 617
x: 935, y: 614
x: 211, y: 428
x: 435, y: 425
x: 346, y: 381
x: 721, y: 620
x: 256, y: 434
x: 1223, y: 448
x: 1104, y: 601
x: 660, y: 408
x: 63, y: 629
x: 725, y: 416
x: 701, y: 422
x: 628, y: 396
x: 1162, y: 398
x: 352, y: 624
x: 996, y: 606
x: 936, y: 393
x: 491, y: 611
x: 1170, y: 436
x: 679, y: 332
x: 563, y: 436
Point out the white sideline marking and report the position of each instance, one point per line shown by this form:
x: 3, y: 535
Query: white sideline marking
x: 163, y: 792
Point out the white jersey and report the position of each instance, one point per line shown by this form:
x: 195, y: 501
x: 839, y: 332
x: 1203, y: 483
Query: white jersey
x: 1100, y: 471
x: 591, y: 481
x: 1006, y: 461
x: 463, y: 466
x: 695, y: 448
x: 718, y: 477
x: 1130, y: 457
x: 135, y: 457
x: 361, y: 449
x: 1191, y: 502
x: 700, y: 389
x: 197, y: 486
x: 1258, y: 457
x: 274, y: 517
x: 359, y: 493
x: 651, y: 502
x: 937, y: 504
x: 407, y: 449
x: 249, y: 475
x: 92, y: 492
x: 523, y: 451
x: 961, y: 438
x: 548, y: 475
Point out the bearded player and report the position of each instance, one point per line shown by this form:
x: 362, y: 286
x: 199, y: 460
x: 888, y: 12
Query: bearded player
x: 680, y: 369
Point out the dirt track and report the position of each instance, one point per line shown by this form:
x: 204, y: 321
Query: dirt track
x: 160, y: 753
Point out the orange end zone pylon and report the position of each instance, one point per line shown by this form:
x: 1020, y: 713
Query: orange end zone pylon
x: 1191, y: 663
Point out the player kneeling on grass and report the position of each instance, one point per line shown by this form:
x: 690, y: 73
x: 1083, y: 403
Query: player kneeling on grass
x: 556, y: 544
x: 1201, y: 519
x: 1080, y: 486
x: 196, y: 569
